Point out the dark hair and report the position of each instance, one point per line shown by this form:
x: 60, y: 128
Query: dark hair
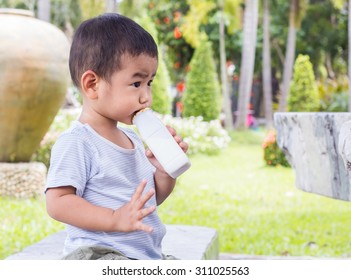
x: 99, y: 43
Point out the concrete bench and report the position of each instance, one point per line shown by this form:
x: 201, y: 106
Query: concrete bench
x: 183, y: 242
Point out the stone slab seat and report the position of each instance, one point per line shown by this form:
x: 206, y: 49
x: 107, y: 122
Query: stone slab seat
x: 183, y: 242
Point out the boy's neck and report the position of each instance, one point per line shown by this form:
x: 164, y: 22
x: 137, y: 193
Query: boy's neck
x: 106, y: 128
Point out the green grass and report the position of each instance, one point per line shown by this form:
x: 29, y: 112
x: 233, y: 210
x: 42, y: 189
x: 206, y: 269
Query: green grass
x: 256, y: 209
x: 23, y: 222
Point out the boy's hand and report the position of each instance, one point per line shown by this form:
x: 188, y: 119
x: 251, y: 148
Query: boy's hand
x: 184, y: 146
x: 129, y: 217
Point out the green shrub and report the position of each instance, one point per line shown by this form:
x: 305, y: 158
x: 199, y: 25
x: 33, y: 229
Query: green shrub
x: 202, y: 93
x: 203, y: 137
x: 303, y: 95
x: 272, y: 154
x: 161, y: 101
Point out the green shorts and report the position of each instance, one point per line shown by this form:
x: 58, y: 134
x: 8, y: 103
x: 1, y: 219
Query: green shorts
x: 102, y: 253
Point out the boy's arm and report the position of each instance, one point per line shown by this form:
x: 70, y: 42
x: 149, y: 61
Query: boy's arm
x: 65, y: 206
x: 164, y: 184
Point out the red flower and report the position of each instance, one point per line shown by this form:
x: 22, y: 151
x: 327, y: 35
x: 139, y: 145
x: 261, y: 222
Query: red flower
x: 176, y: 32
x: 177, y: 65
x: 180, y: 87
x: 166, y: 20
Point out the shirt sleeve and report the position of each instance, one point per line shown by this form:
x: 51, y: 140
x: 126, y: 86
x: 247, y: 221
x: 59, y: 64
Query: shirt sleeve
x: 70, y: 163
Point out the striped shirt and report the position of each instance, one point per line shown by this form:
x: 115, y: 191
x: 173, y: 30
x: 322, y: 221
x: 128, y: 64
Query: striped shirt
x: 105, y: 175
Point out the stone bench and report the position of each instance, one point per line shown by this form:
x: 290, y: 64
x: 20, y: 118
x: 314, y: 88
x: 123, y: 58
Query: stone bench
x: 318, y: 147
x: 183, y: 242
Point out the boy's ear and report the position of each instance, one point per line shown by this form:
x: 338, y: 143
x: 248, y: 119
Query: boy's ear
x: 89, y: 84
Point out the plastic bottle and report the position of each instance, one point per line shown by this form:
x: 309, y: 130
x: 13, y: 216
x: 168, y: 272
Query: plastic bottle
x: 161, y: 143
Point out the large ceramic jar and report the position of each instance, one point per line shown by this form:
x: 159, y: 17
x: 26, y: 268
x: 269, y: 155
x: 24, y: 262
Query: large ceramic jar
x: 33, y: 81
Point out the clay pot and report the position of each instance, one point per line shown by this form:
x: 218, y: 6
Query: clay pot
x: 34, y: 77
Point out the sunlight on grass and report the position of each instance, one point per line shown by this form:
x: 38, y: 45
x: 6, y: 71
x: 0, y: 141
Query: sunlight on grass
x: 257, y: 209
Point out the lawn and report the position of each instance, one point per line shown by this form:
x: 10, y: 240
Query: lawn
x: 256, y: 209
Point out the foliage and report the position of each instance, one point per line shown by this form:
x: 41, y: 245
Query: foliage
x: 202, y: 94
x: 203, y: 137
x: 91, y: 8
x: 131, y: 8
x: 319, y: 39
x: 333, y: 94
x: 196, y: 15
x: 303, y: 90
x: 169, y: 17
x: 64, y: 12
x: 161, y: 102
x: 272, y: 154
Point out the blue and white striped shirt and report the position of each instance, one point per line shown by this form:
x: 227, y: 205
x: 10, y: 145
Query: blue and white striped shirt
x: 105, y: 175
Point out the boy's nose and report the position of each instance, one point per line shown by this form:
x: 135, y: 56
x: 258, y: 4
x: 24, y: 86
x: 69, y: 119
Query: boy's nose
x: 145, y: 97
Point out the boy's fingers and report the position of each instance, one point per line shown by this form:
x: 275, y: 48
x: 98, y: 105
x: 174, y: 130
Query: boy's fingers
x: 147, y: 211
x: 184, y: 146
x: 171, y: 130
x: 146, y: 197
x: 145, y: 228
x: 138, y: 192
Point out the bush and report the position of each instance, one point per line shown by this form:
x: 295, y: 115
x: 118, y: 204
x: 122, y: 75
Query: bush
x: 303, y: 95
x: 272, y: 154
x: 202, y: 94
x: 203, y: 137
x: 333, y: 94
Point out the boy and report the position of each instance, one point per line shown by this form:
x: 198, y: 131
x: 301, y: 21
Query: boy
x: 101, y: 182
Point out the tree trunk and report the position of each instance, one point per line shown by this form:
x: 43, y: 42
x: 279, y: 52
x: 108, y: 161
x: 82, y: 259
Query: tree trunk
x: 267, y: 74
x: 227, y: 109
x: 44, y: 10
x: 349, y: 55
x: 111, y: 6
x: 247, y: 61
x: 289, y: 57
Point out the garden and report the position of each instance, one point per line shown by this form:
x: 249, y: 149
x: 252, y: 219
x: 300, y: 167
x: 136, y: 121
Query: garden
x: 255, y: 207
x: 216, y: 97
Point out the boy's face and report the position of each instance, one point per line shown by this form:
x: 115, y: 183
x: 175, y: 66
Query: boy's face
x: 129, y: 89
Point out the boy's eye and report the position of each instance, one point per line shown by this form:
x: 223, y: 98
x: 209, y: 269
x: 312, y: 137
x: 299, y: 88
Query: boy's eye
x: 137, y: 84
x: 149, y: 83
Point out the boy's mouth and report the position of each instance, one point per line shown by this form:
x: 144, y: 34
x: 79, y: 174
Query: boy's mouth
x: 139, y: 111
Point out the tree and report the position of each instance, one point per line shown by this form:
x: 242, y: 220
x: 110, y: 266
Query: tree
x: 247, y: 61
x: 44, y: 10
x: 202, y: 94
x: 349, y: 53
x: 227, y: 108
x: 132, y: 8
x: 304, y: 95
x: 111, y: 6
x: 297, y: 10
x: 266, y: 68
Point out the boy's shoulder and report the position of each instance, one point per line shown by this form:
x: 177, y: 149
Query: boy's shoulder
x: 77, y: 134
x: 77, y: 129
